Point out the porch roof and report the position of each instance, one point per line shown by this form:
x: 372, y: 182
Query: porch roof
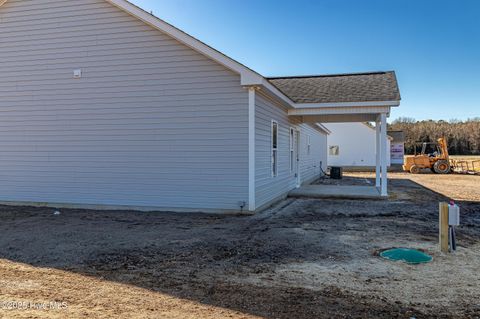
x: 354, y: 97
x: 340, y: 88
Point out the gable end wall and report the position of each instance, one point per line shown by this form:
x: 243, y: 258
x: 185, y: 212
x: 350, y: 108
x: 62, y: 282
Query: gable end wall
x: 150, y: 123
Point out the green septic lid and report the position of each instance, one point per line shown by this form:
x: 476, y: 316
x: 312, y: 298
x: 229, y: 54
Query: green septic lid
x: 410, y: 256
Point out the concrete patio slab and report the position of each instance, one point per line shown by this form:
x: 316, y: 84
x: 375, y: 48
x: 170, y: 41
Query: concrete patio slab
x: 337, y: 191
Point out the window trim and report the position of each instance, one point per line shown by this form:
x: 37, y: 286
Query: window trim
x: 274, y: 150
x: 291, y: 154
x: 333, y: 147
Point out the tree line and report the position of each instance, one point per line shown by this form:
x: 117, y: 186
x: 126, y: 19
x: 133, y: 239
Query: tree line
x: 463, y: 137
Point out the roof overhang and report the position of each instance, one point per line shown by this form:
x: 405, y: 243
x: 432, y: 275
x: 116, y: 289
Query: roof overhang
x: 347, y: 104
x: 320, y: 127
x: 339, y: 114
x: 338, y: 118
x: 346, y: 90
x: 339, y: 110
x: 272, y: 91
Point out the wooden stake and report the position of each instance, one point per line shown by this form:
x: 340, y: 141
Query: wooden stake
x: 443, y: 227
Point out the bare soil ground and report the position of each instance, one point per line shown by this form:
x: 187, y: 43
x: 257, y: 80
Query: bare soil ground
x: 458, y: 187
x: 302, y: 258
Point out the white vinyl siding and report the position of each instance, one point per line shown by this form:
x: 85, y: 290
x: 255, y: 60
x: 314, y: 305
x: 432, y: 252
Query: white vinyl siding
x: 151, y: 122
x: 352, y: 145
x: 309, y: 144
x: 268, y: 188
x: 311, y: 160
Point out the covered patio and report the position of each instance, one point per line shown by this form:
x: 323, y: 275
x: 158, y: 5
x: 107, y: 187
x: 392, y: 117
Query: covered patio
x: 359, y: 97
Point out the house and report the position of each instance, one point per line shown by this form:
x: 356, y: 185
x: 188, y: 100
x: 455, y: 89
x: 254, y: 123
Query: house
x: 352, y: 145
x: 106, y: 106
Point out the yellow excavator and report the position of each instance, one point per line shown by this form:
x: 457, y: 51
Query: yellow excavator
x: 433, y: 156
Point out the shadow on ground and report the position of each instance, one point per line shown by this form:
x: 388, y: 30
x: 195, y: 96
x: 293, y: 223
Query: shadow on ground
x: 210, y: 258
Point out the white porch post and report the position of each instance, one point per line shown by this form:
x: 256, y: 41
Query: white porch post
x: 383, y: 155
x: 377, y: 154
x: 251, y: 149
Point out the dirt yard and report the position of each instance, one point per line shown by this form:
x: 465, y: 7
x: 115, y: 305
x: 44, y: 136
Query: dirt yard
x: 301, y: 259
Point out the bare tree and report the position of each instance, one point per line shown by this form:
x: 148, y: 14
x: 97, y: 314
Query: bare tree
x: 463, y: 137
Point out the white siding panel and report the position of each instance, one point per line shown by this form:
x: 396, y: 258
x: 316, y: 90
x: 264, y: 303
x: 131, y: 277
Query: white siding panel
x: 150, y: 123
x: 269, y: 188
x: 356, y: 142
x: 310, y: 162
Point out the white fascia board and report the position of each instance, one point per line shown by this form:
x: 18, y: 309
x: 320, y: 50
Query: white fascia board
x: 340, y: 110
x: 319, y: 128
x: 271, y: 88
x: 248, y: 77
x: 323, y: 128
x: 273, y: 92
x: 346, y: 104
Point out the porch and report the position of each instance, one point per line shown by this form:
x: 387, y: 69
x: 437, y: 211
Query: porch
x: 362, y: 97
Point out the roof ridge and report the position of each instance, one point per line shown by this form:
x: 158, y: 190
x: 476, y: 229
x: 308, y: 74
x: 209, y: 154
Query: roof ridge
x: 328, y: 75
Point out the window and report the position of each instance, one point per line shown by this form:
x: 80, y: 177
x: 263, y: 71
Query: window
x: 292, y: 152
x: 334, y: 150
x: 274, y: 148
x: 309, y: 145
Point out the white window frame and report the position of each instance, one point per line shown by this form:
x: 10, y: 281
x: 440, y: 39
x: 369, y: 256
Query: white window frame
x: 331, y: 149
x: 292, y: 132
x: 274, y: 149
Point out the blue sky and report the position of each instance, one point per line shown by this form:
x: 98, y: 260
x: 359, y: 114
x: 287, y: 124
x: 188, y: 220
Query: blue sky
x: 433, y: 45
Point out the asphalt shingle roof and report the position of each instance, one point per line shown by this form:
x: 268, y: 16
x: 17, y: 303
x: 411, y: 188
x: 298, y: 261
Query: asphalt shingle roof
x: 356, y: 87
